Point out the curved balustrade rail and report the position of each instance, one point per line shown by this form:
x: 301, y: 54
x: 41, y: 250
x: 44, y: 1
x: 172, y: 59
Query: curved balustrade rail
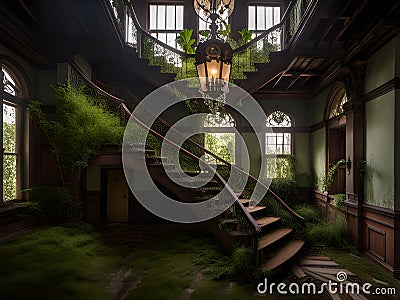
x: 124, y: 108
x: 252, y: 178
x: 172, y: 60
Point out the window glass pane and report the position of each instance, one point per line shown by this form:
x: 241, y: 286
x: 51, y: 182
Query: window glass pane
x: 278, y: 143
x: 161, y: 17
x: 162, y: 37
x: 221, y: 144
x: 218, y: 120
x: 252, y: 18
x: 153, y: 17
x: 9, y: 131
x: 202, y: 25
x: 179, y: 17
x: 171, y: 37
x: 278, y: 119
x: 9, y: 177
x: 277, y: 15
x: 170, y: 17
x: 260, y: 18
x: 268, y: 17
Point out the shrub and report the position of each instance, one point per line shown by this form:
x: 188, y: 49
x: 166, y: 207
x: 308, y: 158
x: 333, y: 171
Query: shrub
x: 55, y: 204
x: 338, y: 200
x: 81, y: 126
x: 309, y: 213
x: 242, y: 265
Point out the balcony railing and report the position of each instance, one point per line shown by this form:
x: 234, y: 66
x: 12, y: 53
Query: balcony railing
x: 172, y: 60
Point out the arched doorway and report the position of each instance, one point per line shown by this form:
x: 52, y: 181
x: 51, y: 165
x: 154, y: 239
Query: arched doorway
x: 336, y: 136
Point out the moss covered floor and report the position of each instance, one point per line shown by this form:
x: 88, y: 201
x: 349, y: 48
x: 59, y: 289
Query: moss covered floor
x: 130, y: 262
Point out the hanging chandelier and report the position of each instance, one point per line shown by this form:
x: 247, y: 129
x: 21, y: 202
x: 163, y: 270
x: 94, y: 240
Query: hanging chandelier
x: 204, y: 8
x: 213, y: 58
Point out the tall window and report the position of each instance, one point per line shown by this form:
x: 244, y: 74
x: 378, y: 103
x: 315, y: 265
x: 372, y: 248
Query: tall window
x: 219, y: 138
x: 262, y: 17
x: 280, y: 141
x: 166, y: 21
x: 10, y: 142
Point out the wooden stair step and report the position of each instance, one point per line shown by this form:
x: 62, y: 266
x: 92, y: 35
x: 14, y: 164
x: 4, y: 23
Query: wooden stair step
x: 314, y: 262
x: 273, y: 237
x: 284, y: 254
x: 238, y: 233
x: 244, y: 201
x: 231, y: 221
x: 254, y: 208
x: 267, y: 221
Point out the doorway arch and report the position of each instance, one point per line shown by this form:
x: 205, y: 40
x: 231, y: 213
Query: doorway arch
x: 335, y: 119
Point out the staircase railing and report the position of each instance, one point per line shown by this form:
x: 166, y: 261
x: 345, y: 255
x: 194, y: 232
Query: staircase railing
x: 221, y: 160
x: 251, y: 225
x: 172, y: 60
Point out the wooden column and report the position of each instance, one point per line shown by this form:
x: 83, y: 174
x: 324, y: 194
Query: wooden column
x: 354, y: 110
x: 190, y: 18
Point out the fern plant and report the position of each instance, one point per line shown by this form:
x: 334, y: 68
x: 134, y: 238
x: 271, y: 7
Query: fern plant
x: 246, y: 35
x: 185, y: 41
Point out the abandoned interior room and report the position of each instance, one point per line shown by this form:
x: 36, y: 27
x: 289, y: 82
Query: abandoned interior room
x: 199, y: 149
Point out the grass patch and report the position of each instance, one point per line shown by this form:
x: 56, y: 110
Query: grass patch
x: 171, y: 262
x: 363, y: 267
x: 320, y: 233
x: 56, y: 263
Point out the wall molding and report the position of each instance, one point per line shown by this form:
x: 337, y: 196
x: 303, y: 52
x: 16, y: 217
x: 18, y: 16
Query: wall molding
x: 393, y: 84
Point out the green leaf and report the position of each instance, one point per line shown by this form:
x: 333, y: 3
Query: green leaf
x: 185, y: 41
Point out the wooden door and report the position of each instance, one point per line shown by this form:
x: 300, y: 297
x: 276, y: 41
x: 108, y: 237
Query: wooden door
x: 117, y: 196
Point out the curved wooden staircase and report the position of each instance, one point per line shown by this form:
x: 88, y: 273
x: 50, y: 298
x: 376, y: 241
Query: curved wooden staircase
x: 275, y: 243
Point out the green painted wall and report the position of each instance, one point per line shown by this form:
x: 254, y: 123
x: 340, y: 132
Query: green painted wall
x: 318, y: 152
x: 317, y: 107
x: 380, y: 67
x: 302, y: 155
x: 380, y: 143
x: 252, y: 146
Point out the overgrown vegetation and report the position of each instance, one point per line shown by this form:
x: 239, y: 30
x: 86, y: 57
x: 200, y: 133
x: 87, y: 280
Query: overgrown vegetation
x: 321, y: 233
x: 338, y: 200
x: 56, y: 263
x: 284, y: 180
x: 324, y: 182
x: 55, y: 204
x: 9, y: 162
x: 79, y: 128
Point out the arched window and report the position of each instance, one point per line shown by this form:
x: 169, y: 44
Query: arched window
x: 336, y: 99
x: 279, y: 141
x: 11, y: 128
x: 220, y: 136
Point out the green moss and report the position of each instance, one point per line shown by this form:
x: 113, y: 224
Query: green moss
x: 362, y: 266
x: 56, y: 263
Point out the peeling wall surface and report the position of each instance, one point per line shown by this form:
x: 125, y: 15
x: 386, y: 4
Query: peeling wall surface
x: 380, y: 129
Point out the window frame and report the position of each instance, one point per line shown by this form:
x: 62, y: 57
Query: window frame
x: 224, y: 130
x: 283, y: 130
x: 20, y: 105
x: 165, y: 31
x: 256, y: 31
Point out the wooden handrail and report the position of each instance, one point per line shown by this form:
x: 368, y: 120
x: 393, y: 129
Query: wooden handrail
x: 159, y: 136
x: 165, y: 123
x: 143, y: 32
